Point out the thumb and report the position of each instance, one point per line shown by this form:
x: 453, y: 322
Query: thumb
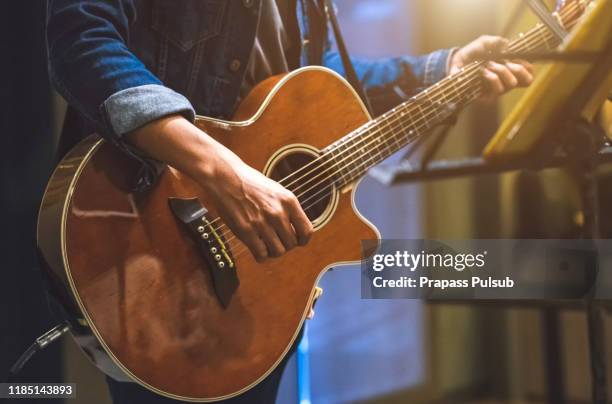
x: 487, y: 44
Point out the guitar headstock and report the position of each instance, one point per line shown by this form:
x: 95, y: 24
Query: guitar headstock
x: 568, y: 12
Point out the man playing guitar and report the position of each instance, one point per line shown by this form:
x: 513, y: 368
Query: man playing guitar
x: 137, y: 71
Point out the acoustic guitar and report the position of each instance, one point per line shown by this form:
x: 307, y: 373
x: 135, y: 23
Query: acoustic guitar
x: 165, y: 294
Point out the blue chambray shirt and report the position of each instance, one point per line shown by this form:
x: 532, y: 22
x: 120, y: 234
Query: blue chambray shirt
x: 123, y: 63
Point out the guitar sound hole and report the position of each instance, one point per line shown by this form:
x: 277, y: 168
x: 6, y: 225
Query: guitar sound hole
x: 309, y: 182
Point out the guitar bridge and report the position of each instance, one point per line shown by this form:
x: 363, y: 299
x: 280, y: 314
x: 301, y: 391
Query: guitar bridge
x: 219, y: 258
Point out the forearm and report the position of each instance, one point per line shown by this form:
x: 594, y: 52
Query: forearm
x: 390, y: 81
x: 412, y: 72
x: 177, y: 142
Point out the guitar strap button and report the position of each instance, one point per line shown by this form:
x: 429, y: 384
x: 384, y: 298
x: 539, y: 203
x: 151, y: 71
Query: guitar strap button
x: 317, y: 293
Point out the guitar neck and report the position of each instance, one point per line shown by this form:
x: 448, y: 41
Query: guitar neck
x: 367, y: 146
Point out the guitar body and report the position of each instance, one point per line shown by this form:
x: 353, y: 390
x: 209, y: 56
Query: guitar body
x: 138, y: 278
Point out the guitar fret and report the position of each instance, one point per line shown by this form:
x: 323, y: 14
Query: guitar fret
x: 381, y: 142
x: 350, y: 170
x: 543, y: 38
x: 335, y: 164
x: 355, y: 151
x: 410, y: 120
x: 387, y: 149
x: 441, y: 105
x: 449, y: 101
x: 455, y: 87
x: 393, y: 143
x: 396, y: 139
x: 372, y: 153
x: 421, y: 116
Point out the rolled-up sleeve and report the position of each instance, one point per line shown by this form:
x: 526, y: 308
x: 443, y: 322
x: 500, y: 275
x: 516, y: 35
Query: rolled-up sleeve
x: 136, y: 106
x: 437, y: 66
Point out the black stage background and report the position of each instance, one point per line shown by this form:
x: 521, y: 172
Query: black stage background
x: 26, y: 150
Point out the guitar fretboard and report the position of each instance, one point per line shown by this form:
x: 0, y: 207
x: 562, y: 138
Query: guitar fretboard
x: 350, y: 157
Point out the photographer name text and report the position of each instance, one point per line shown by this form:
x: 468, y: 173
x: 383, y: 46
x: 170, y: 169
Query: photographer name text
x: 405, y: 261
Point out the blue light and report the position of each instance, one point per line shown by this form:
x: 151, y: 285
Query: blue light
x: 303, y: 369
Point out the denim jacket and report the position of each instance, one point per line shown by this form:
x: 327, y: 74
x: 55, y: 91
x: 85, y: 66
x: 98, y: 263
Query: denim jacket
x: 124, y: 63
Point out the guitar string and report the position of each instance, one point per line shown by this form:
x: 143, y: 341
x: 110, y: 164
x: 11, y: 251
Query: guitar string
x: 534, y: 33
x: 464, y: 86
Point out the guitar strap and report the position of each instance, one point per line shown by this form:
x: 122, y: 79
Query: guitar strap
x: 349, y: 69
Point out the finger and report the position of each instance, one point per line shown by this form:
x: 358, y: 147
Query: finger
x: 256, y: 245
x: 527, y: 65
x: 522, y: 74
x: 274, y: 245
x: 285, y: 233
x: 301, y: 224
x: 504, y: 73
x: 493, y: 82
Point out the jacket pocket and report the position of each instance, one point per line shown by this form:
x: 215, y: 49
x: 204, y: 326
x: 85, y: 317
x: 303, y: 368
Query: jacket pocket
x: 185, y: 23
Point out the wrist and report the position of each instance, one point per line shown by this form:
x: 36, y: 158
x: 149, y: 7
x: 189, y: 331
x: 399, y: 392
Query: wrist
x: 180, y: 144
x: 212, y: 157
